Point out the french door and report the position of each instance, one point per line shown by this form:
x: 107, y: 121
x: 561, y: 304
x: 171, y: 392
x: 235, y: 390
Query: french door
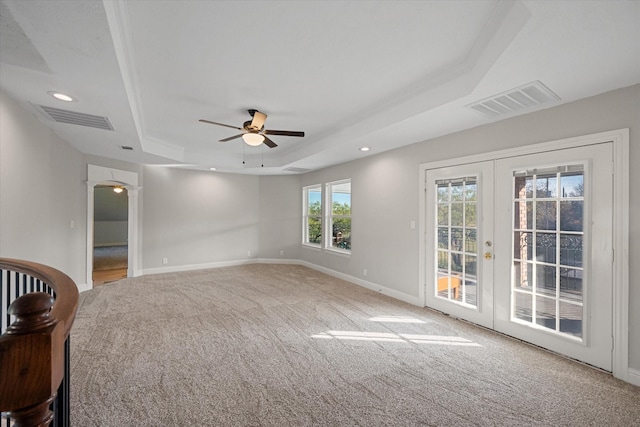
x: 523, y: 245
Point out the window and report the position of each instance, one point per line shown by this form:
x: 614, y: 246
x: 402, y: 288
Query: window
x: 312, y: 215
x: 338, y: 229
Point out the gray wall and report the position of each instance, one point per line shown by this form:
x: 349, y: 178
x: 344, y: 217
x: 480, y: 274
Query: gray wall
x: 193, y: 217
x: 42, y: 191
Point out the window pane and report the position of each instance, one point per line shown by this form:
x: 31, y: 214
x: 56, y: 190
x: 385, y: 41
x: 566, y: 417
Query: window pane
x: 571, y: 216
x: 546, y: 312
x: 522, y: 308
x: 443, y: 193
x: 546, y: 215
x: 470, y: 266
x: 471, y: 292
x: 443, y: 214
x: 523, y: 215
x: 523, y: 187
x: 571, y: 250
x: 341, y: 233
x: 470, y: 241
x: 572, y: 185
x: 443, y: 262
x: 471, y: 191
x: 571, y: 318
x: 470, y: 215
x: 456, y: 214
x: 314, y: 230
x: 443, y: 237
x: 523, y: 276
x: 456, y: 192
x: 546, y: 247
x: 571, y: 284
x: 546, y: 280
x: 314, y: 206
x: 523, y: 245
x: 547, y: 185
x: 339, y: 218
x: 456, y: 239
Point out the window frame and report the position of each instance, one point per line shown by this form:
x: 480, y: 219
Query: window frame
x: 306, y: 215
x: 329, y: 217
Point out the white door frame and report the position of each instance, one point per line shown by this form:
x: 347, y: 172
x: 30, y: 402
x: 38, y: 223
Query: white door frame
x: 98, y: 175
x: 620, y: 167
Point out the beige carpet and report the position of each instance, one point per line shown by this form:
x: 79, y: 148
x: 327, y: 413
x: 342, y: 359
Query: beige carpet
x: 280, y: 345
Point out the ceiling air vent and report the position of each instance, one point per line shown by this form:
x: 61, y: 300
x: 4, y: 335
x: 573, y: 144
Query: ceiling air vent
x: 74, y: 118
x: 526, y: 97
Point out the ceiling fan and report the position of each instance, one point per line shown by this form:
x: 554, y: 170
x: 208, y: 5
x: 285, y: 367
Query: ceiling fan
x: 255, y: 134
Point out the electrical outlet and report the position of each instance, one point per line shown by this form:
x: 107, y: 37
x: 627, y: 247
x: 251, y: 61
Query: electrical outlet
x: 364, y: 272
x: 281, y: 253
x: 248, y: 253
x: 165, y: 261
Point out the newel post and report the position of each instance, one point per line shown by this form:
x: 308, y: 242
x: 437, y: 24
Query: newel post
x: 32, y: 355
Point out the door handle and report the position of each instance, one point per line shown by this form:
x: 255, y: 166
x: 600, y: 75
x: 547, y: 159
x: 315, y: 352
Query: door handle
x: 488, y: 255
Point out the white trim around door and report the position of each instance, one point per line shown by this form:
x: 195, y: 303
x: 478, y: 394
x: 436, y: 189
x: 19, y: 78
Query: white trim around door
x: 97, y: 175
x: 620, y: 169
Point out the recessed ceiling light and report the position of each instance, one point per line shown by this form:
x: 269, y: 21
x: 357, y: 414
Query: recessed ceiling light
x: 212, y: 169
x: 365, y: 148
x: 61, y: 96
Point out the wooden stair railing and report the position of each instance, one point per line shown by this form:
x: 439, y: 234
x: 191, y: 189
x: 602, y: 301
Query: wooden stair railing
x: 34, y: 349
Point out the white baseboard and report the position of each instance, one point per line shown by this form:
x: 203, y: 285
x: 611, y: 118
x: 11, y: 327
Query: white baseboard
x: 633, y: 376
x: 82, y: 287
x: 366, y: 284
x: 191, y: 267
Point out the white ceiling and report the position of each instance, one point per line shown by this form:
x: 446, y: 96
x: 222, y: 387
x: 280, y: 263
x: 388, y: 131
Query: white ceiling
x: 349, y: 74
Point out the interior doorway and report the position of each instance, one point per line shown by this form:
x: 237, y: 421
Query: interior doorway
x: 106, y: 179
x: 110, y: 234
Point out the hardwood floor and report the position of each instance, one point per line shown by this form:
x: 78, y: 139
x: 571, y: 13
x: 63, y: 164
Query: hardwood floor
x: 100, y: 277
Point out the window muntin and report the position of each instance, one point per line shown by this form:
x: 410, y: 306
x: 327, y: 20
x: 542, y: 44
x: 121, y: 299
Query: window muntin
x: 338, y: 231
x: 312, y: 215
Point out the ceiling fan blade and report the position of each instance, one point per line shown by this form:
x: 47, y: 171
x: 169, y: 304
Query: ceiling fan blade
x: 283, y: 132
x: 231, y: 137
x: 219, y: 124
x: 258, y: 120
x: 269, y: 143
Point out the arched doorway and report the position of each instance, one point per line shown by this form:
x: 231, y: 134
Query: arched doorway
x: 101, y: 177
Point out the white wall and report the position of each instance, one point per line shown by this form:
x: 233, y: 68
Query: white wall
x: 42, y: 192
x: 385, y: 190
x: 195, y: 218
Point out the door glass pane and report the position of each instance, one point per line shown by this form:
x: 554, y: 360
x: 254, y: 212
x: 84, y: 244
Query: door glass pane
x: 571, y: 215
x: 571, y: 318
x: 546, y: 312
x: 523, y: 215
x: 547, y: 282
x: 523, y: 245
x: 457, y: 227
x: 546, y: 215
x: 522, y: 307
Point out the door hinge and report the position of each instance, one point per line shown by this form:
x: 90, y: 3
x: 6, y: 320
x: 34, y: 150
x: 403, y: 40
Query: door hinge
x: 612, y: 345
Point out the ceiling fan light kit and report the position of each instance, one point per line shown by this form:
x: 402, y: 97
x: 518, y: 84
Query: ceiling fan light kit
x: 253, y: 139
x: 255, y: 133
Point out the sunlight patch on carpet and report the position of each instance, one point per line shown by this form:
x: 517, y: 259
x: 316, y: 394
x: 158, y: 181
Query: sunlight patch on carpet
x: 401, y: 338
